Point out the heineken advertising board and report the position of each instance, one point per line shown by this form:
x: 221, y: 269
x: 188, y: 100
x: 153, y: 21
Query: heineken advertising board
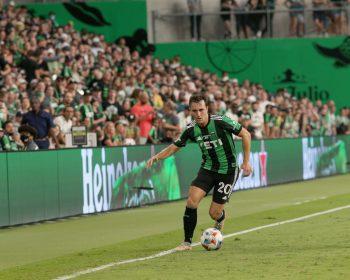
x: 68, y: 182
x: 318, y: 68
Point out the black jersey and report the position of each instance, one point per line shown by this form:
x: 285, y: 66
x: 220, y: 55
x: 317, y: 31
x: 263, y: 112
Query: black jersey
x: 215, y: 141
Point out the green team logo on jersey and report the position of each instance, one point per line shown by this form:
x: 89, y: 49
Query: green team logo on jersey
x: 208, y: 143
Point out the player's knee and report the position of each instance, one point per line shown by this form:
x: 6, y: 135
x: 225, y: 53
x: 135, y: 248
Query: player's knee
x: 214, y: 213
x: 192, y: 203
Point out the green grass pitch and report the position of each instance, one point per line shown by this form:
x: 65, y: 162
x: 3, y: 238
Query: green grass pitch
x: 316, y: 248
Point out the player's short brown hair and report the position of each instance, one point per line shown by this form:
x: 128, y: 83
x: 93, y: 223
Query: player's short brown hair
x: 196, y: 98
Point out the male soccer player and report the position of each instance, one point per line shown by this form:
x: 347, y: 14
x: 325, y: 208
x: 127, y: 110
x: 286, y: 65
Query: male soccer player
x: 219, y: 168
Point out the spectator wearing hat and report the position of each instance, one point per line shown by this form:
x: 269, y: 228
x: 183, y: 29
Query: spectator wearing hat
x: 42, y: 122
x: 132, y: 130
x: 27, y: 135
x: 87, y: 114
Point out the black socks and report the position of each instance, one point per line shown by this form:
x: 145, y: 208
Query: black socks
x: 190, y: 222
x: 221, y: 217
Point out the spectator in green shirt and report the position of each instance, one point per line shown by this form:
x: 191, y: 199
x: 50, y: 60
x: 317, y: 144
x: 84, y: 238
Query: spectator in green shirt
x: 8, y: 142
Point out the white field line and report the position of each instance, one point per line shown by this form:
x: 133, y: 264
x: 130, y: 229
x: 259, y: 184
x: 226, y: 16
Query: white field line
x: 168, y: 252
x: 310, y: 200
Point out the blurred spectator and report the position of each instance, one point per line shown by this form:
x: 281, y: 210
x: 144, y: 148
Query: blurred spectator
x: 8, y: 142
x: 195, y: 8
x: 110, y: 137
x: 3, y: 108
x: 17, y: 121
x: 226, y: 7
x: 111, y: 106
x: 42, y: 122
x: 64, y: 123
x: 99, y: 116
x: 240, y: 7
x: 86, y: 111
x: 132, y: 130
x: 27, y: 135
x: 232, y: 111
x: 268, y: 18
x: 184, y: 117
x: 255, y: 19
x: 155, y: 133
x: 171, y: 120
x: 319, y: 16
x: 121, y: 133
x: 257, y: 120
x: 143, y: 112
x: 297, y: 20
x: 325, y: 121
x: 343, y: 122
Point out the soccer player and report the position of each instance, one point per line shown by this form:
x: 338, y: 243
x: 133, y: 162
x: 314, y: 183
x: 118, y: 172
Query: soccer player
x: 219, y: 168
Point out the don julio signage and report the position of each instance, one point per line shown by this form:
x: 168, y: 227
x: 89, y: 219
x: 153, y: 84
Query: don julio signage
x: 298, y: 86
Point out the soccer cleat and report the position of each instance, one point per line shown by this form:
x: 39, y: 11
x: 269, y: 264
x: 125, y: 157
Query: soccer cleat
x: 186, y: 246
x: 219, y: 226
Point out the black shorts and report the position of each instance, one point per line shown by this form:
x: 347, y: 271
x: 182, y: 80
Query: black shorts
x: 222, y: 183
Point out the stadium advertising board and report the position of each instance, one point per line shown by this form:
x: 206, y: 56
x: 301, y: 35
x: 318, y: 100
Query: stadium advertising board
x: 323, y: 157
x: 68, y: 182
x: 123, y: 181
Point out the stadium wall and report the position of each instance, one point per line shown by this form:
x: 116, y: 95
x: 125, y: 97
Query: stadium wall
x: 317, y: 68
x: 43, y: 185
x: 120, y: 18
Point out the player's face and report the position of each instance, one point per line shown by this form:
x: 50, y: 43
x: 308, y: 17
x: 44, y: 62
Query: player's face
x: 199, y: 112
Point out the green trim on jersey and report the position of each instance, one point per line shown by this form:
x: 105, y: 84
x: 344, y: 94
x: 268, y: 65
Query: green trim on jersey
x: 215, y: 141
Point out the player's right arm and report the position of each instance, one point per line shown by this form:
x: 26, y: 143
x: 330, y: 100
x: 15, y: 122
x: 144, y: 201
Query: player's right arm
x: 167, y: 152
x: 171, y: 149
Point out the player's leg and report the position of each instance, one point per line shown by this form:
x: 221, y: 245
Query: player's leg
x: 200, y: 186
x: 217, y: 213
x: 222, y: 192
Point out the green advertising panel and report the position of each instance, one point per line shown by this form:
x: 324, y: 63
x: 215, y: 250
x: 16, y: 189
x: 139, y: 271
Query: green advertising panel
x: 4, y: 211
x: 317, y: 68
x: 42, y: 185
x: 69, y: 170
x: 112, y: 19
x: 147, y: 185
x: 33, y: 186
x: 323, y: 156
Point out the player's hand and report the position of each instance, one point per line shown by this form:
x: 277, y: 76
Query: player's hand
x: 151, y: 161
x: 247, y: 169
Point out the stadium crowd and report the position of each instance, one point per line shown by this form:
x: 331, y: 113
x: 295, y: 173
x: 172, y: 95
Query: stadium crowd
x: 53, y: 77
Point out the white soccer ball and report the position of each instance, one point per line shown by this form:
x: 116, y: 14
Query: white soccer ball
x: 211, y: 239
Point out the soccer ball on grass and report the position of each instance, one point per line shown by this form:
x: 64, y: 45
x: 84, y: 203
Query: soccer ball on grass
x: 211, y: 239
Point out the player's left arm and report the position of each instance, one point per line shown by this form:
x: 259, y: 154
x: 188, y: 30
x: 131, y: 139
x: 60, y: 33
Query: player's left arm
x: 246, y: 139
x: 237, y: 129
